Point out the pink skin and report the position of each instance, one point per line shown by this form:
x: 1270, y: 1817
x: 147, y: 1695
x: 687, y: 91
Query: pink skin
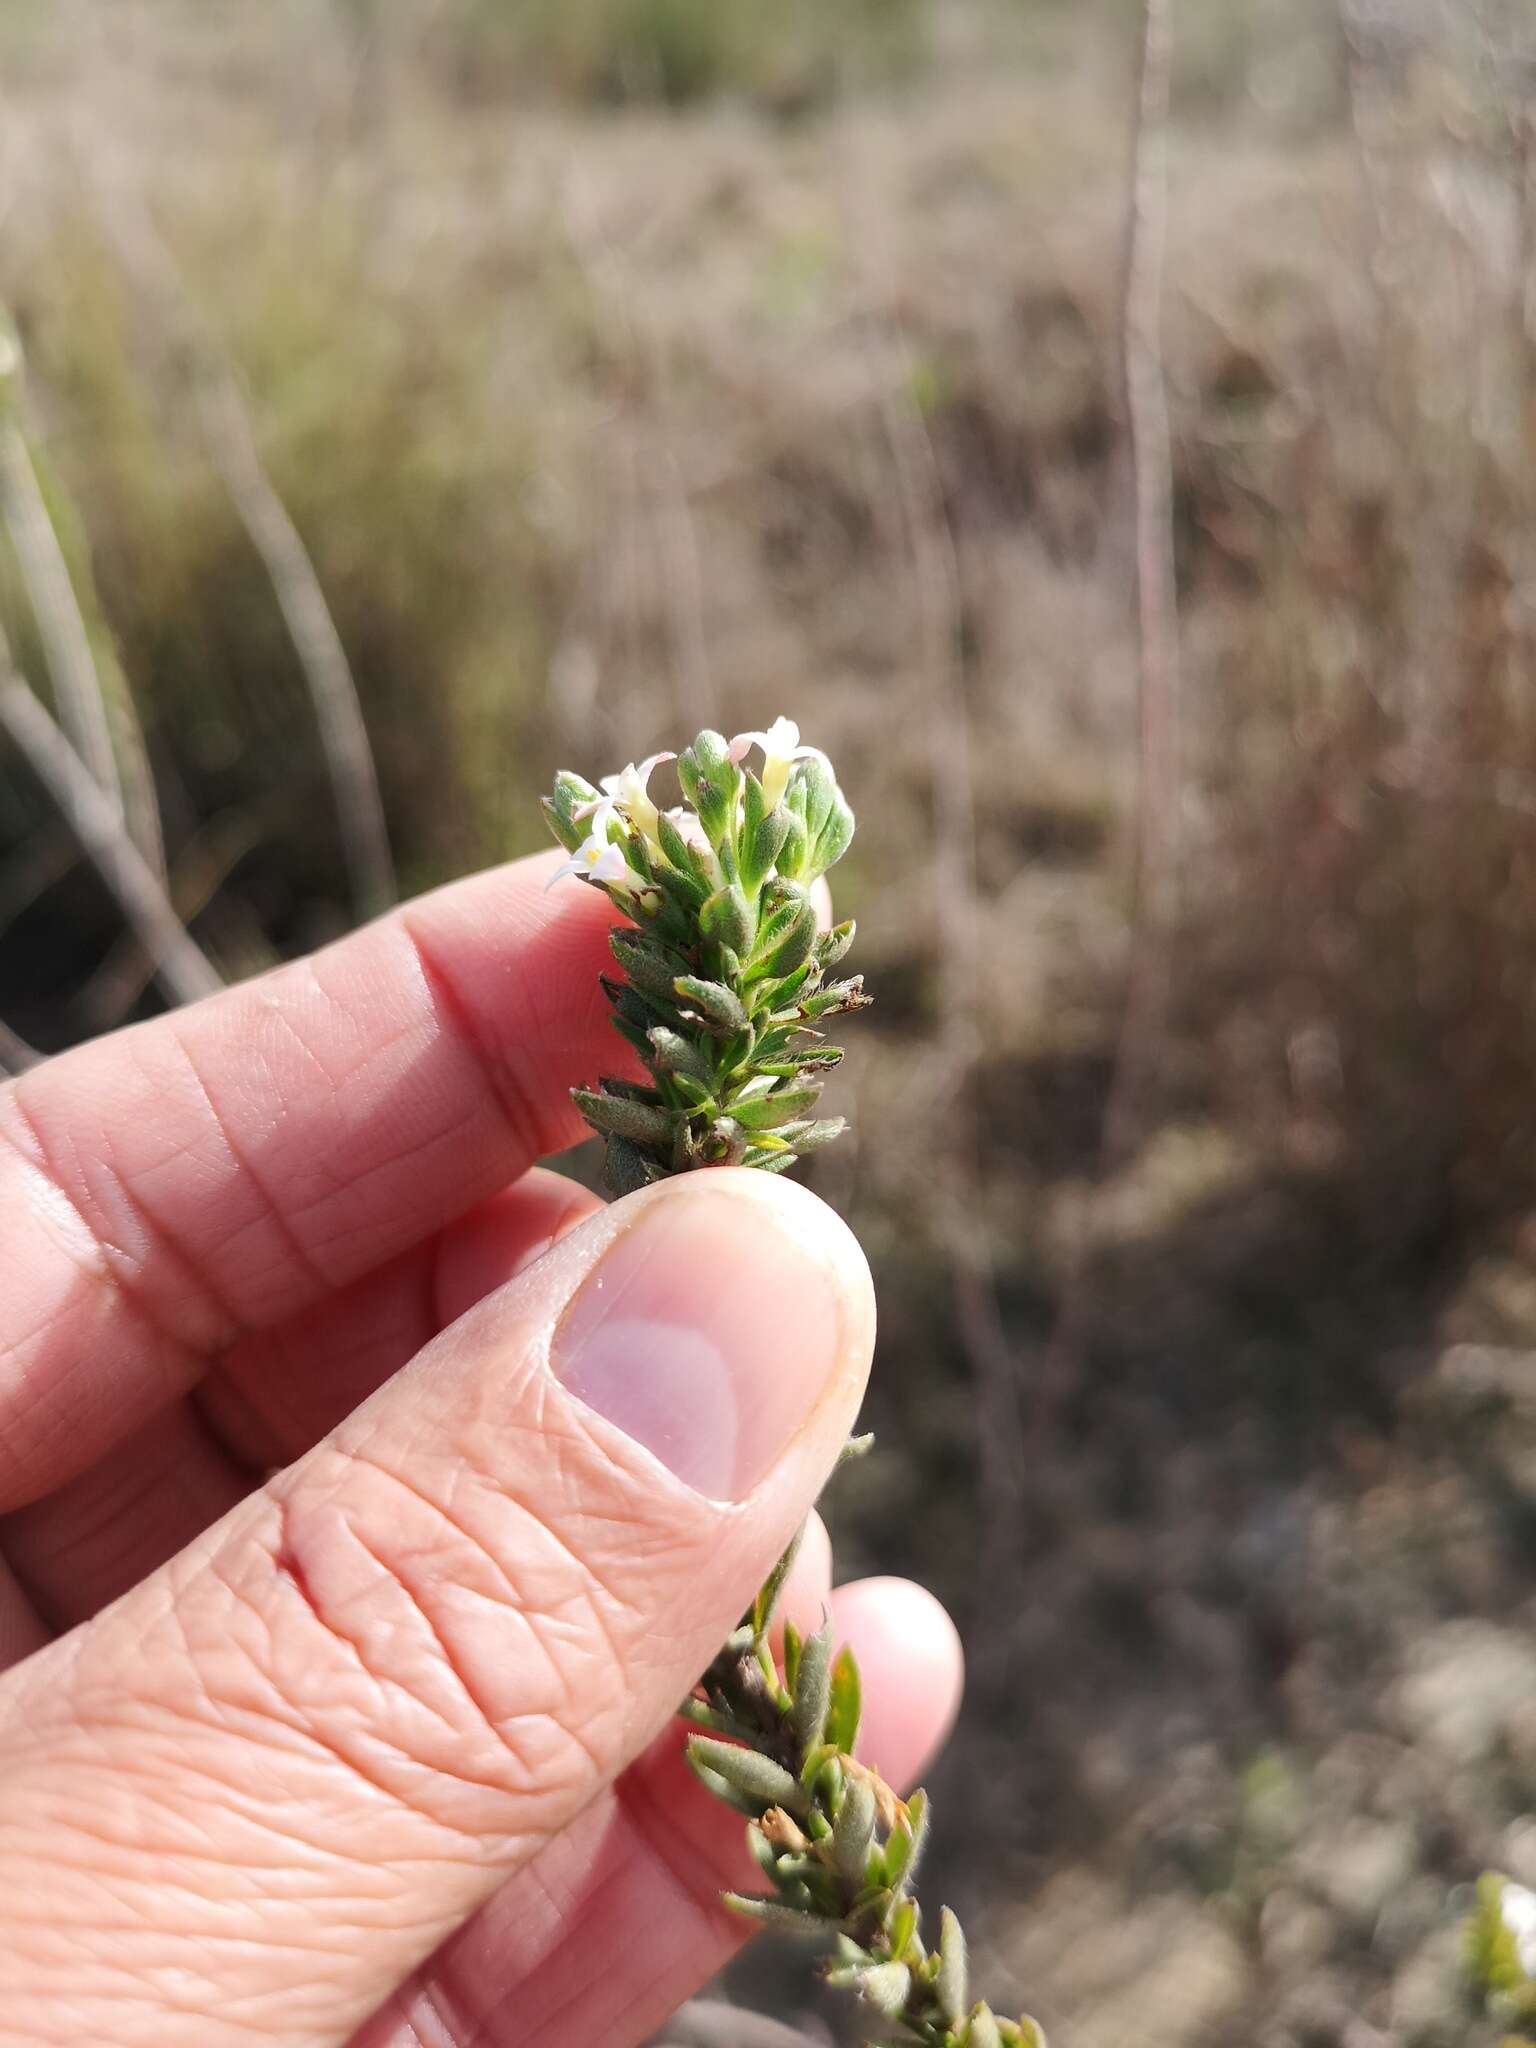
x: 378, y: 1750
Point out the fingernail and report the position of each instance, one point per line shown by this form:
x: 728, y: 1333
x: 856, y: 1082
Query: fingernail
x: 707, y: 1332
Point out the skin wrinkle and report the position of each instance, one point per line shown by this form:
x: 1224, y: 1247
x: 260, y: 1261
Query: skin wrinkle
x: 438, y: 1136
x: 249, y: 1811
x: 272, y: 1710
x: 273, y: 1215
x: 130, y: 1270
x: 525, y: 1119
x: 484, y: 2015
x: 583, y: 1575
x: 449, y: 1014
x: 353, y: 1759
x: 451, y: 1663
x: 471, y: 935
x: 100, y: 1272
x: 334, y: 1628
x: 104, y: 1530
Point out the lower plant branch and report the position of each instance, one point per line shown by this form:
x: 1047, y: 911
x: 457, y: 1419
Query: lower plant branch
x: 838, y: 1848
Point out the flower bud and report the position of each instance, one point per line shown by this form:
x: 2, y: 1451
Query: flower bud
x: 711, y: 782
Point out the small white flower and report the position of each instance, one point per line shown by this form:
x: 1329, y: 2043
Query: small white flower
x: 1517, y: 1907
x: 781, y: 750
x: 595, y: 860
x: 626, y: 796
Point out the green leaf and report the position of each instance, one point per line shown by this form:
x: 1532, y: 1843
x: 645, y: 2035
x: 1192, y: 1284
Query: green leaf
x: 632, y: 1035
x: 812, y: 1689
x: 627, y: 1169
x: 903, y: 1925
x: 616, y: 1116
x: 834, y: 1000
x: 952, y: 1985
x: 762, y: 838
x: 682, y: 856
x: 775, y: 1914
x: 685, y: 890
x: 785, y: 941
x: 812, y: 1137
x: 886, y: 1987
x: 780, y: 998
x: 711, y: 781
x: 764, y: 1606
x: 982, y: 2030
x: 719, y: 1007
x: 752, y: 1774
x: 853, y: 1831
x: 651, y: 967
x: 834, y: 839
x: 916, y: 1832
x: 727, y: 1793
x: 674, y: 1054
x: 843, y: 1712
x: 834, y: 946
x: 765, y: 1112
x: 817, y: 1056
x: 771, y: 1162
x: 726, y: 917
x: 794, y: 854
x: 792, y: 1069
x: 814, y: 796
x: 635, y: 1006
x: 571, y: 794
x: 792, y: 1647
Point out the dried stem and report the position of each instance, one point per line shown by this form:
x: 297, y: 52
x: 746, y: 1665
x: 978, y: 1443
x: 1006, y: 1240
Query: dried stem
x: 184, y: 969
x: 1155, y: 882
x: 639, y: 352
x: 962, y: 1210
x: 15, y: 1053
x: 60, y: 624
x: 295, y: 583
x: 343, y: 732
x: 104, y: 730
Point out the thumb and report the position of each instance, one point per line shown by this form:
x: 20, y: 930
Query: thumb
x: 246, y: 1800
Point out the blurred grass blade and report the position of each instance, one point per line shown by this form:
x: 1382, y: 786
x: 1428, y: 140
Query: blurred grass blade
x: 185, y: 970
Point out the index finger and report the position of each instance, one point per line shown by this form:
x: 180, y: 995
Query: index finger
x: 218, y: 1170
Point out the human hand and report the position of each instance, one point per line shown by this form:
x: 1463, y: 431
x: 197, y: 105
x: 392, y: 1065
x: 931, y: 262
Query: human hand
x: 369, y: 1498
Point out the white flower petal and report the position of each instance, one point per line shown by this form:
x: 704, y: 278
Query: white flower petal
x: 572, y: 866
x: 610, y: 866
x: 1517, y: 1908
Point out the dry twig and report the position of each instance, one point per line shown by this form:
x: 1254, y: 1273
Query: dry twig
x: 61, y: 627
x: 184, y: 969
x: 1155, y: 888
x: 295, y: 583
